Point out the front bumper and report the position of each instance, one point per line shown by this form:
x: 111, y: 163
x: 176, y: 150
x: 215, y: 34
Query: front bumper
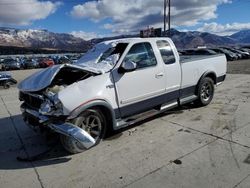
x: 34, y: 118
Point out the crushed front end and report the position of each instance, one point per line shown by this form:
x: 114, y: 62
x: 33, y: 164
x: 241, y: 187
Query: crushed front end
x: 41, y: 107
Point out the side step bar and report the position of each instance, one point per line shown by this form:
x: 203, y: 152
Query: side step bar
x: 145, y: 115
x: 188, y: 99
x: 142, y: 116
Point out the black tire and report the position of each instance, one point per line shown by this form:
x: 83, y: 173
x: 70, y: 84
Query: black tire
x: 97, y: 131
x: 13, y: 81
x: 205, y: 91
x: 6, y: 85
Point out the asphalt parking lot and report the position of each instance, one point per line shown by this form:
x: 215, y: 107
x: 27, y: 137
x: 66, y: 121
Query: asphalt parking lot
x: 186, y: 147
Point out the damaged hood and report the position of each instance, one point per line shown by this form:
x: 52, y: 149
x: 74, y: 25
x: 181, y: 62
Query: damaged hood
x: 44, y: 78
x: 102, y: 57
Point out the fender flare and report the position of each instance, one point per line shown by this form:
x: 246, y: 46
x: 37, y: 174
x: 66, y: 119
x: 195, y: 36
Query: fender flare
x: 210, y: 74
x: 94, y: 103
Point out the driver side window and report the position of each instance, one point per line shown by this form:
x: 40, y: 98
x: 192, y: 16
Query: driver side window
x: 142, y: 54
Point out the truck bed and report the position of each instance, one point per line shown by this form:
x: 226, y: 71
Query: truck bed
x: 193, y: 66
x: 189, y: 58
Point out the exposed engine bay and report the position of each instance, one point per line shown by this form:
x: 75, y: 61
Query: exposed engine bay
x: 68, y: 75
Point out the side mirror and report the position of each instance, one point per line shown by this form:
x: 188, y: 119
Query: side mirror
x: 127, y: 66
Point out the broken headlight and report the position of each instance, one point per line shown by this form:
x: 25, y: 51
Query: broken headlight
x: 51, y: 107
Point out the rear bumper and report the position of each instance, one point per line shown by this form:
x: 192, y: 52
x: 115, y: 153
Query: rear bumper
x: 33, y: 119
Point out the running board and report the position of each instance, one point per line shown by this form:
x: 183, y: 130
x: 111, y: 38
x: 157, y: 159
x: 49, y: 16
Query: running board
x: 188, y: 99
x: 145, y: 115
x: 168, y: 106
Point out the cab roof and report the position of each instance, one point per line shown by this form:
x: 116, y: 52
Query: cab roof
x: 129, y: 40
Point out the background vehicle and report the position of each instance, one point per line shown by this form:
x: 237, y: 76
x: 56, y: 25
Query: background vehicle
x: 188, y: 52
x: 229, y: 55
x: 6, y: 80
x: 201, y: 51
x: 243, y: 55
x: 45, y: 62
x: 64, y: 60
x: 10, y: 64
x: 74, y: 58
x: 1, y: 66
x: 205, y: 51
x: 30, y: 64
x: 245, y: 50
x: 106, y: 89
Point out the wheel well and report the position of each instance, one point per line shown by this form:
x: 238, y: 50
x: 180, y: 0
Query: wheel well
x: 208, y: 75
x: 212, y: 76
x: 108, y: 115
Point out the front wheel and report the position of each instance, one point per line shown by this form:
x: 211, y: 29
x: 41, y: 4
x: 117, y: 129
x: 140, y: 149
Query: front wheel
x: 93, y: 122
x: 205, y: 92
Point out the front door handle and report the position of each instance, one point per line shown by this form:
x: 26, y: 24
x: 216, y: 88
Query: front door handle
x: 159, y: 75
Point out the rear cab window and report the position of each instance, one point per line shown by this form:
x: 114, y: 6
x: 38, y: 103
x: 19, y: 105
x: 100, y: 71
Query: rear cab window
x: 142, y: 54
x: 166, y: 51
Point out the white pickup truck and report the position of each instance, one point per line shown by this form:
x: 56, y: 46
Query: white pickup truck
x: 116, y: 84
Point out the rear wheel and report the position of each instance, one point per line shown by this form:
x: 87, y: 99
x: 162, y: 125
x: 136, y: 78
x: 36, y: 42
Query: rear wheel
x: 205, y: 92
x: 93, y: 122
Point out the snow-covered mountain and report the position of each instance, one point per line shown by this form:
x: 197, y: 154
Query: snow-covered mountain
x: 242, y: 36
x: 193, y: 39
x: 41, y: 39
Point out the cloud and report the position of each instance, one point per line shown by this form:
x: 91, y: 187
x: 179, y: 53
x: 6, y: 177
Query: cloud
x: 23, y: 12
x: 133, y: 15
x: 227, y: 29
x: 86, y: 35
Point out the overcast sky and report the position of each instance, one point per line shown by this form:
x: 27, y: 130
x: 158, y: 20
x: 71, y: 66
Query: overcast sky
x: 91, y: 18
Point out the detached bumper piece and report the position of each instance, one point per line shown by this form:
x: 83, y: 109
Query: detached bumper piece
x: 74, y: 132
x: 67, y: 129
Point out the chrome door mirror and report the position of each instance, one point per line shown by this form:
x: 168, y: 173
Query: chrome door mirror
x: 127, y: 66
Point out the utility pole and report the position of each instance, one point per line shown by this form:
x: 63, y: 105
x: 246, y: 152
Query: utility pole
x: 165, y: 16
x: 166, y: 3
x: 169, y: 18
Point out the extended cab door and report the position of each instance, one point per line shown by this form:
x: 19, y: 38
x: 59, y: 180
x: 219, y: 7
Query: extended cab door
x: 143, y: 88
x: 172, y: 69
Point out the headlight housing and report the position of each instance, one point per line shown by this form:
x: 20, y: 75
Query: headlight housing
x: 51, y: 107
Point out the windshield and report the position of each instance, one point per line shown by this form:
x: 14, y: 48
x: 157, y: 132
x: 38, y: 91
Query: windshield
x: 103, y: 56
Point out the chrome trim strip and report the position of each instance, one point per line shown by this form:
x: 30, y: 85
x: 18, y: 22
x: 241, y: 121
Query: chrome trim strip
x: 143, y: 97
